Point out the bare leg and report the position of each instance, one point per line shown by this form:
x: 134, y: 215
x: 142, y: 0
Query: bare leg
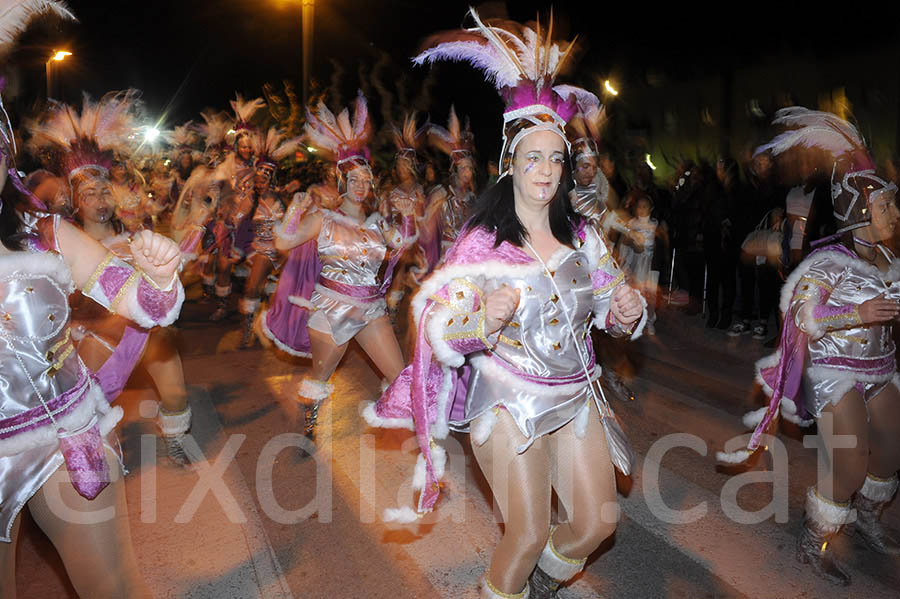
x: 521, y: 487
x: 380, y: 343
x: 847, y: 466
x: 98, y: 557
x: 585, y: 482
x: 884, y: 433
x: 326, y: 355
x: 163, y: 363
x: 8, y: 562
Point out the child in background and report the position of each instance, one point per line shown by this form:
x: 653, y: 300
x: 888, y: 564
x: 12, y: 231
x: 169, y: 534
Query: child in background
x: 636, y: 255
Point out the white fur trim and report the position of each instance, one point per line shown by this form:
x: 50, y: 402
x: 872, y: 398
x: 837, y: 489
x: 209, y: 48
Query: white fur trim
x: 31, y: 264
x: 138, y: 315
x: 807, y: 323
x: 789, y: 413
x: 418, y: 481
x: 881, y: 491
x: 735, y: 457
x: 556, y: 566
x: 395, y: 296
x: 438, y: 460
x: 242, y: 271
x: 302, y: 302
x: 209, y: 280
x: 248, y: 306
x: 223, y: 290
x: 174, y: 424
x: 483, y: 426
x: 752, y: 419
x: 825, y: 513
x: 582, y: 419
x: 93, y: 403
x: 403, y: 515
x: 434, y: 331
x: 271, y: 337
x: 440, y: 428
x: 374, y: 420
x: 315, y: 390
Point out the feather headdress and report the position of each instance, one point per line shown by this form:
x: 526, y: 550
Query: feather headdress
x: 184, y: 139
x: 408, y: 138
x: 456, y: 140
x: 272, y: 148
x: 340, y: 137
x: 88, y: 139
x: 586, y: 129
x: 243, y: 112
x: 523, y: 64
x: 15, y: 15
x: 853, y: 174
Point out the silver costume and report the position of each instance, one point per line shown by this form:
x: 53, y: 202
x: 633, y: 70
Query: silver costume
x: 34, y: 290
x: 824, y: 294
x: 352, y: 254
x: 454, y: 213
x: 269, y: 212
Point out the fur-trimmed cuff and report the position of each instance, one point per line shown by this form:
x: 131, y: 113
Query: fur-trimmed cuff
x: 556, y: 565
x: 489, y: 591
x: 174, y: 423
x: 223, y: 291
x: 827, y: 514
x: 248, y: 306
x: 370, y: 415
x: 209, y: 280
x: 150, y: 306
x: 877, y: 489
x: 315, y: 390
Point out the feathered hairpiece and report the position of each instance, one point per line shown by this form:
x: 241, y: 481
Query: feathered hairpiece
x: 853, y: 174
x: 523, y: 64
x: 408, y: 139
x: 340, y: 137
x: 90, y: 138
x: 184, y: 139
x: 244, y: 111
x: 272, y: 148
x: 456, y: 140
x: 586, y: 129
x: 15, y: 15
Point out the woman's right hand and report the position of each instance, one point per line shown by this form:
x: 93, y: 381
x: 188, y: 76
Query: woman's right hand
x: 878, y: 309
x: 499, y: 306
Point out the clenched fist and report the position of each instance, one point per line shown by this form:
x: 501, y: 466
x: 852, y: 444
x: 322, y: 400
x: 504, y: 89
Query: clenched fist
x: 156, y: 255
x: 499, y: 306
x: 626, y: 305
x: 878, y: 309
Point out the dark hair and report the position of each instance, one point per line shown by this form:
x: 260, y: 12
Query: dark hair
x: 10, y: 224
x: 495, y: 210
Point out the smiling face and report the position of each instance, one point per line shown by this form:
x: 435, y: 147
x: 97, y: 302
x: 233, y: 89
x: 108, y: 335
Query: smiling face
x: 244, y: 149
x: 538, y: 167
x: 884, y: 215
x: 359, y: 184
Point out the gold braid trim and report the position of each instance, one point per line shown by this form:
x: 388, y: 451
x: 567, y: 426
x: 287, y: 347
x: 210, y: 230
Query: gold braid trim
x: 129, y: 283
x: 568, y: 560
x: 97, y: 272
x: 817, y: 283
x: 62, y: 358
x: 500, y: 593
x: 610, y: 285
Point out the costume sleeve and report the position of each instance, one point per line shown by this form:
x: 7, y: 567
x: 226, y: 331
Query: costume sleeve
x: 809, y: 303
x: 115, y: 281
x: 606, y: 277
x: 400, y: 236
x: 287, y: 232
x: 455, y: 323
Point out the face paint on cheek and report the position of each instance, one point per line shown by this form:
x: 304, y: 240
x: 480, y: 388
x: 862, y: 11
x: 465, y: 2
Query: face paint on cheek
x: 529, y: 167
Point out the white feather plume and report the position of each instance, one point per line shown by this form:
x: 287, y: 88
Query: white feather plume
x: 15, y: 15
x: 814, y: 129
x: 329, y: 133
x: 245, y: 109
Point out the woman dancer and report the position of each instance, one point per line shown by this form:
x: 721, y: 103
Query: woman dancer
x: 348, y: 301
x: 54, y: 410
x: 265, y: 258
x: 512, y: 304
x: 837, y: 363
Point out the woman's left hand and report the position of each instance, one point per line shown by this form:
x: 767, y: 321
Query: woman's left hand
x: 626, y: 305
x: 156, y: 255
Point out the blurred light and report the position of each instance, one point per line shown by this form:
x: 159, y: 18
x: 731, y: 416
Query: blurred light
x: 60, y: 55
x: 609, y: 88
x: 231, y: 132
x: 151, y: 134
x: 311, y: 149
x: 649, y: 162
x: 167, y: 162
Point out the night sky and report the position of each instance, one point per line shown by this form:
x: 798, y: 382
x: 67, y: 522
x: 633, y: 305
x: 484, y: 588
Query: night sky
x: 189, y: 54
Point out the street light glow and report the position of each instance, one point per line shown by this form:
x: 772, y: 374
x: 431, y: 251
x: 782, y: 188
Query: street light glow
x: 650, y: 162
x: 311, y: 149
x: 151, y: 134
x: 60, y: 55
x: 609, y: 88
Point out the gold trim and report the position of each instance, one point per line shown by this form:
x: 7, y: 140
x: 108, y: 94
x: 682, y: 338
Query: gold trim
x: 132, y: 279
x: 568, y: 560
x: 62, y: 358
x: 817, y: 283
x: 97, y: 272
x: 59, y: 344
x: 508, y: 341
x: 610, y: 285
x: 499, y: 593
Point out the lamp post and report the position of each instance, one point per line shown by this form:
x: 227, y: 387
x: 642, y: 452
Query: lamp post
x: 307, y: 16
x: 58, y: 56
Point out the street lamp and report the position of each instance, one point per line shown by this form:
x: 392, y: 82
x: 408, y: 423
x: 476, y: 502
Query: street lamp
x: 57, y: 56
x: 307, y: 16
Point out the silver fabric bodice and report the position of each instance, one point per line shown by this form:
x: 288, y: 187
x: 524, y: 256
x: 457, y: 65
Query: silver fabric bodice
x: 34, y: 313
x: 854, y: 282
x: 350, y: 252
x: 586, y: 202
x: 454, y: 213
